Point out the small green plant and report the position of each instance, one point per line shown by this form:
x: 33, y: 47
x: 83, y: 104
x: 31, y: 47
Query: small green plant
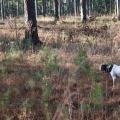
x: 39, y: 75
x: 50, y: 61
x: 81, y: 56
x: 95, y: 75
x: 30, y: 84
x: 85, y: 107
x: 83, y: 65
x: 12, y: 46
x: 13, y: 51
x: 97, y: 96
x: 27, y: 44
x: 45, y: 97
x: 50, y: 64
x: 3, y: 70
x: 46, y: 94
x: 4, y: 101
x: 27, y: 103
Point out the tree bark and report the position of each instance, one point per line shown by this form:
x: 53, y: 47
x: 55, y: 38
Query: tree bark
x: 36, y: 8
x: 31, y: 31
x: 75, y: 13
x: 17, y: 7
x: 44, y: 7
x: 118, y: 9
x: 2, y: 14
x: 56, y: 10
x: 83, y: 10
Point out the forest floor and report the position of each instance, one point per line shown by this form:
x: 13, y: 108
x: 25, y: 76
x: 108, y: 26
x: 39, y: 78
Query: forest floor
x: 60, y: 80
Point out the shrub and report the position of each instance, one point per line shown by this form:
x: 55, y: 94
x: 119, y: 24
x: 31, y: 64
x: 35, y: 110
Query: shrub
x: 27, y: 44
x: 49, y: 60
x: 27, y: 103
x: 4, y: 99
x: 97, y: 96
x: 47, y: 91
x: 13, y: 51
x: 82, y: 63
x: 30, y: 84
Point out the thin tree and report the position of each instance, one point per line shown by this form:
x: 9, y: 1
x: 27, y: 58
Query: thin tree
x: 2, y: 14
x: 17, y: 4
x: 56, y: 10
x: 118, y: 9
x: 75, y: 12
x: 83, y: 10
x: 31, y: 31
x: 36, y: 8
x: 44, y: 7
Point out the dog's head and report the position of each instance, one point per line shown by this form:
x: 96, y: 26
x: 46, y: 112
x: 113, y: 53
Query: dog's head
x: 103, y: 67
x: 106, y: 67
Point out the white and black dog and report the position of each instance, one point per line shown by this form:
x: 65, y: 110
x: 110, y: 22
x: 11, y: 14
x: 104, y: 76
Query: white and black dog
x: 113, y: 69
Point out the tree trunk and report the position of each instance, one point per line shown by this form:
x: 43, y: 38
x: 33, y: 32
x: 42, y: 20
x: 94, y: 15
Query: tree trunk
x: 2, y: 15
x: 83, y: 10
x: 56, y: 10
x: 36, y: 8
x: 17, y: 7
x: 75, y: 8
x: 44, y: 7
x: 31, y: 31
x: 118, y: 9
x: 78, y: 7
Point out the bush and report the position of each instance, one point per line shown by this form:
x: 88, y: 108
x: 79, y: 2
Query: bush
x: 27, y: 44
x: 97, y: 96
x: 82, y: 63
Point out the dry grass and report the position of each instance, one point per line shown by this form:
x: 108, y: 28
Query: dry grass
x: 34, y: 86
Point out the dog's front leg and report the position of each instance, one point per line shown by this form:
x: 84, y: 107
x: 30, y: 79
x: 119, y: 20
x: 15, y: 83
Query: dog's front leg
x: 113, y: 78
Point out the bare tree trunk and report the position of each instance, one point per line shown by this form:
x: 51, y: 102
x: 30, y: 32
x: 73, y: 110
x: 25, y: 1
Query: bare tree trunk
x: 83, y: 10
x: 36, y: 8
x: 17, y: 7
x: 56, y: 10
x: 88, y: 8
x: 75, y: 8
x: 2, y: 15
x: 118, y: 9
x: 31, y: 31
x: 44, y: 7
x: 78, y: 7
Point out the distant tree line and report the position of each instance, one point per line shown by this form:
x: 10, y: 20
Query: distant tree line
x: 59, y: 7
x: 33, y: 8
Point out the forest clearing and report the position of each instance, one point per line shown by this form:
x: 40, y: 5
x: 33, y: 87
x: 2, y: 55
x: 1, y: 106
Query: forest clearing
x: 57, y: 77
x: 69, y: 62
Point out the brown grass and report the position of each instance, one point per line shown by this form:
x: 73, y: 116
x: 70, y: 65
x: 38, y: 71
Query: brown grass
x: 71, y: 88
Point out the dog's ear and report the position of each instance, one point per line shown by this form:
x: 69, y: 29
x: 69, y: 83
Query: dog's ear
x: 104, y: 67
